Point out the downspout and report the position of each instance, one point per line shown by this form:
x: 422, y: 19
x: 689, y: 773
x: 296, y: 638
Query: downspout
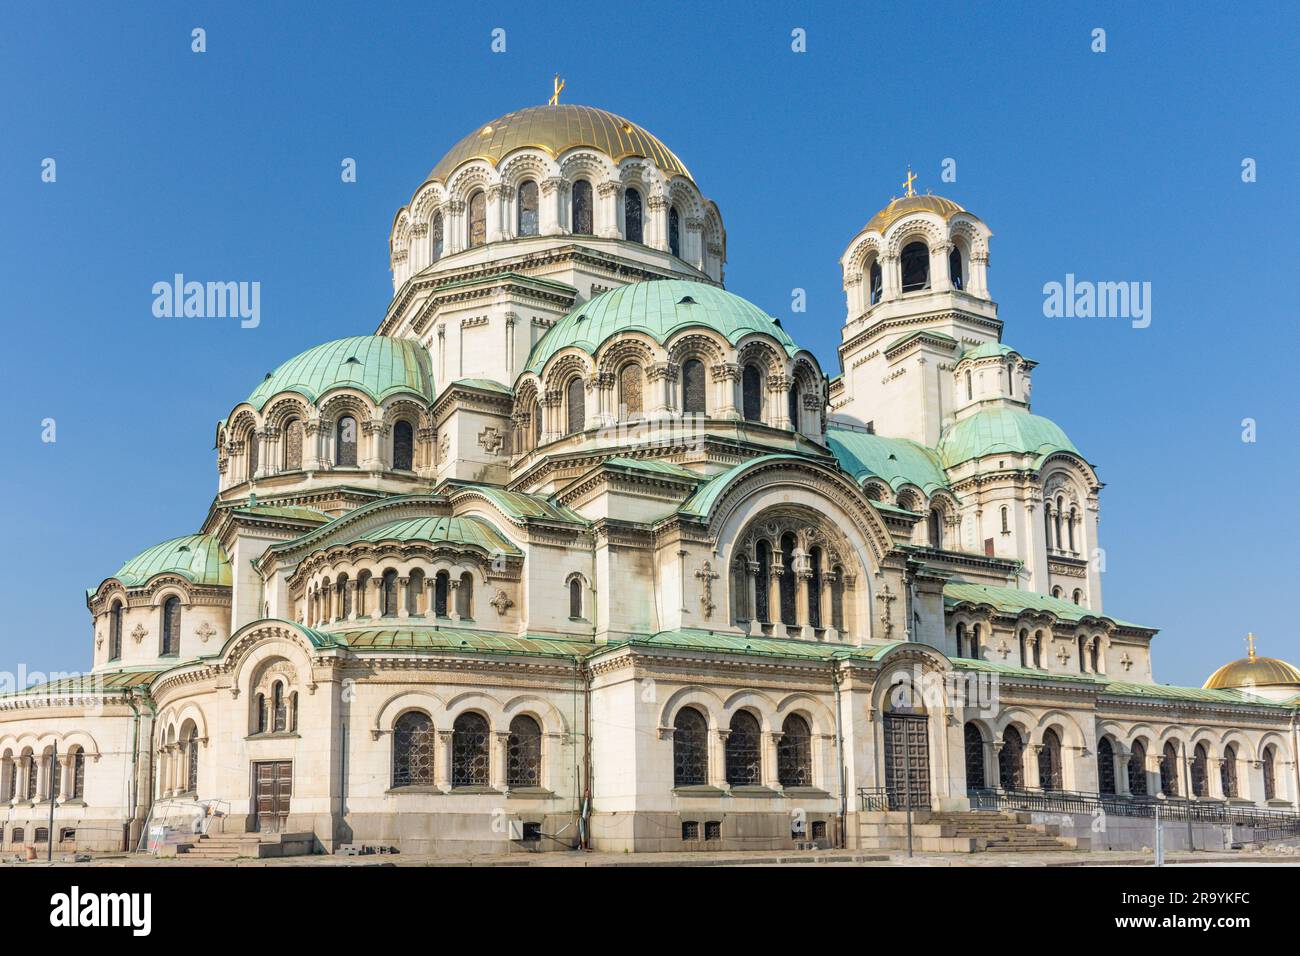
x: 839, y: 755
x: 584, y: 813
x: 136, y: 805
x: 1295, y: 753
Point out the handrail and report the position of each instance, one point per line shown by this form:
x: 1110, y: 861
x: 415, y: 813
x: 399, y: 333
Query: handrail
x: 1171, y: 808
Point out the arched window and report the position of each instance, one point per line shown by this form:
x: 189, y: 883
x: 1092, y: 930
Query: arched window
x: 78, y: 775
x: 1011, y: 766
x: 582, y: 208
x: 1169, y: 770
x: 254, y: 447
x: 693, y: 387
x: 1228, y: 772
x: 1270, y: 778
x: 344, y: 597
x: 441, y: 588
x: 476, y: 233
x: 1200, y: 764
x: 739, y: 584
x: 1047, y: 524
x: 33, y: 772
x: 363, y: 592
x: 575, y: 598
x: 751, y: 385
x: 1069, y: 526
x: 877, y: 280
x: 536, y: 415
x: 837, y: 599
x: 469, y: 752
x: 1006, y: 519
x: 192, y: 761
x: 413, y: 750
x: 436, y: 238
x: 1083, y: 652
x: 915, y: 263
x: 1097, y: 662
x: 260, y: 703
x: 171, y: 626
x: 1024, y: 642
x: 961, y: 639
x: 633, y: 231
x: 575, y: 405
x: 974, y: 741
x: 975, y: 641
x: 690, y: 749
x: 345, y: 442
x: 465, y: 596
x: 674, y: 232
x: 936, y: 528
x: 403, y: 446
x: 1049, y: 761
x: 1137, y: 769
x: 293, y: 712
x: 793, y: 410
x: 1056, y: 523
x: 954, y: 267
x: 293, y: 445
x: 815, y: 587
x: 787, y: 584
x: 414, y: 591
x: 762, y: 605
x: 629, y: 390
x: 970, y: 388
x: 744, y: 745
x: 115, y: 632
x: 527, y: 203
x: 388, y: 594
x: 279, y: 710
x: 524, y: 753
x: 1056, y: 591
x: 794, y: 753
x: 1077, y: 596
x: 1105, y: 766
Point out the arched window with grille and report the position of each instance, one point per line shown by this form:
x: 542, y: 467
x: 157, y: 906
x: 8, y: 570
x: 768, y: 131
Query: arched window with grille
x: 837, y: 599
x: 171, y: 626
x: 254, y: 447
x: 787, y: 583
x: 954, y: 268
x: 527, y: 213
x: 1011, y: 760
x: 1268, y: 768
x: 1228, y: 772
x: 693, y: 390
x: 259, y: 703
x: 388, y: 593
x: 629, y: 390
x: 690, y: 748
x: 961, y: 640
x: 751, y: 389
x: 1069, y: 526
x: 115, y: 632
x: 413, y: 750
x: 936, y: 528
x: 192, y: 761
x: 973, y: 742
x: 469, y: 751
x: 794, y: 753
x: 633, y: 230
x: 1047, y: 524
x: 792, y: 411
x: 78, y: 774
x: 1137, y: 769
x: 441, y: 589
x: 915, y: 264
x: 436, y: 242
x: 582, y: 206
x: 279, y: 709
x: 575, y: 598
x: 1049, y: 761
x: 575, y: 405
x: 762, y: 578
x: 524, y: 753
x: 1169, y: 770
x: 1105, y: 766
x: 403, y: 446
x: 743, y: 750
x: 293, y: 445
x: 345, y: 442
x: 476, y: 221
x: 465, y: 596
x: 1006, y: 520
x: 815, y: 587
x: 877, y: 280
x: 674, y: 232
x: 1200, y: 765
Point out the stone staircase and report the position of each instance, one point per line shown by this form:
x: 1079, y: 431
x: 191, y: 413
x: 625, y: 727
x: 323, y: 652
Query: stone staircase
x: 256, y: 846
x: 960, y: 832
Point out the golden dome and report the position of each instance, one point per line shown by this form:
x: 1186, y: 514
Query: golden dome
x: 902, y: 206
x: 1253, y: 671
x: 555, y: 128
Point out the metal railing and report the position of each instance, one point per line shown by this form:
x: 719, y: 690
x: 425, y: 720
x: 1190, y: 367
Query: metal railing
x: 1285, y: 822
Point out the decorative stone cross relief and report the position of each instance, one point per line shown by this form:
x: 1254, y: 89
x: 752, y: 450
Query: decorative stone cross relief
x: 1063, y: 656
x: 1126, y: 662
x: 205, y: 631
x: 885, y: 598
x: 707, y: 575
x: 502, y: 602
x: 139, y: 633
x: 1003, y: 649
x: 491, y: 440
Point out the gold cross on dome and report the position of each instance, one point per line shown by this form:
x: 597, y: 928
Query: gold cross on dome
x: 555, y: 96
x: 1250, y: 645
x: 911, y: 178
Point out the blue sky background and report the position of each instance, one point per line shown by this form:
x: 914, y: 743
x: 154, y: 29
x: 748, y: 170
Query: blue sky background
x: 225, y: 166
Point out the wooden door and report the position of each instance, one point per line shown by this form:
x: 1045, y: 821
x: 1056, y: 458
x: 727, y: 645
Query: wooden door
x: 272, y: 788
x: 907, y: 761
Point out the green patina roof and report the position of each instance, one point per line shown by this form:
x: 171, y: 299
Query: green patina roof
x: 487, y: 384
x: 656, y: 308
x: 474, y: 532
x: 462, y: 639
x: 943, y: 336
x: 895, y: 460
x: 1001, y: 431
x: 700, y: 503
x: 374, y: 364
x: 199, y: 558
x: 988, y: 350
x: 1014, y: 600
x: 698, y: 639
x: 654, y: 466
x: 297, y: 512
x: 101, y: 683
x: 524, y: 507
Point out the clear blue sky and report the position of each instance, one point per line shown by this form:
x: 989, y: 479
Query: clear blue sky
x: 1116, y: 166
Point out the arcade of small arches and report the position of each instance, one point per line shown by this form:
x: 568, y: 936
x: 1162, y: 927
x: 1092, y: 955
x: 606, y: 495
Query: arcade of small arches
x: 385, y: 592
x: 29, y: 775
x: 471, y: 755
x: 917, y: 254
x: 1082, y: 648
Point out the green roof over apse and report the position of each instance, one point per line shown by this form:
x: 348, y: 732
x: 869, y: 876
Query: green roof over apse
x: 471, y: 531
x: 989, y: 350
x: 1014, y: 600
x: 199, y: 558
x: 1002, y: 431
x: 659, y: 308
x: 377, y: 365
x: 895, y: 460
x: 701, y: 502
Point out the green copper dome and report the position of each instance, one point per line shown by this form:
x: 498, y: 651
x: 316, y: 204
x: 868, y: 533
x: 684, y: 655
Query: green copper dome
x: 468, y: 530
x: 895, y: 460
x: 1002, y: 431
x: 199, y: 558
x: 989, y: 350
x: 375, y: 364
x: 659, y: 308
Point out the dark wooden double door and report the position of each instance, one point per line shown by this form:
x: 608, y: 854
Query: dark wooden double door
x: 272, y: 790
x: 907, y: 761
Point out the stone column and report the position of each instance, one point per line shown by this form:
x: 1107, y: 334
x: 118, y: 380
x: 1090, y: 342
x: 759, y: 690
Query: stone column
x: 551, y: 220
x: 352, y: 601
x: 891, y: 280
x: 375, y: 606
x: 718, y: 758
x: 771, y: 743
x: 940, y: 277
x: 442, y: 763
x: 403, y: 585
x: 1031, y: 766
x: 1121, y: 759
x: 726, y: 376
x: 978, y: 281
x: 802, y: 578
x: 693, y: 242
x: 453, y: 605
x: 854, y: 296
x: 499, y: 753
x: 656, y: 235
x: 497, y: 195
x: 605, y: 199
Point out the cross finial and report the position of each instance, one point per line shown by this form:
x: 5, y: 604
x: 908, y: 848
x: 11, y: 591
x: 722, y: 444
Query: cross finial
x: 1250, y: 645
x: 555, y: 96
x: 911, y: 178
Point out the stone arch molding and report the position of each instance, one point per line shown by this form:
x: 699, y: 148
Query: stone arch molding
x: 260, y: 641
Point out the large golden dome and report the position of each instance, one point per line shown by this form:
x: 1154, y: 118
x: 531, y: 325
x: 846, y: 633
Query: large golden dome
x: 1255, y: 671
x: 905, y: 205
x: 555, y: 128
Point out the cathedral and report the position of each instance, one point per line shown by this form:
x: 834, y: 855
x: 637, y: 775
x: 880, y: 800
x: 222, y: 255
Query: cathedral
x: 580, y: 548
